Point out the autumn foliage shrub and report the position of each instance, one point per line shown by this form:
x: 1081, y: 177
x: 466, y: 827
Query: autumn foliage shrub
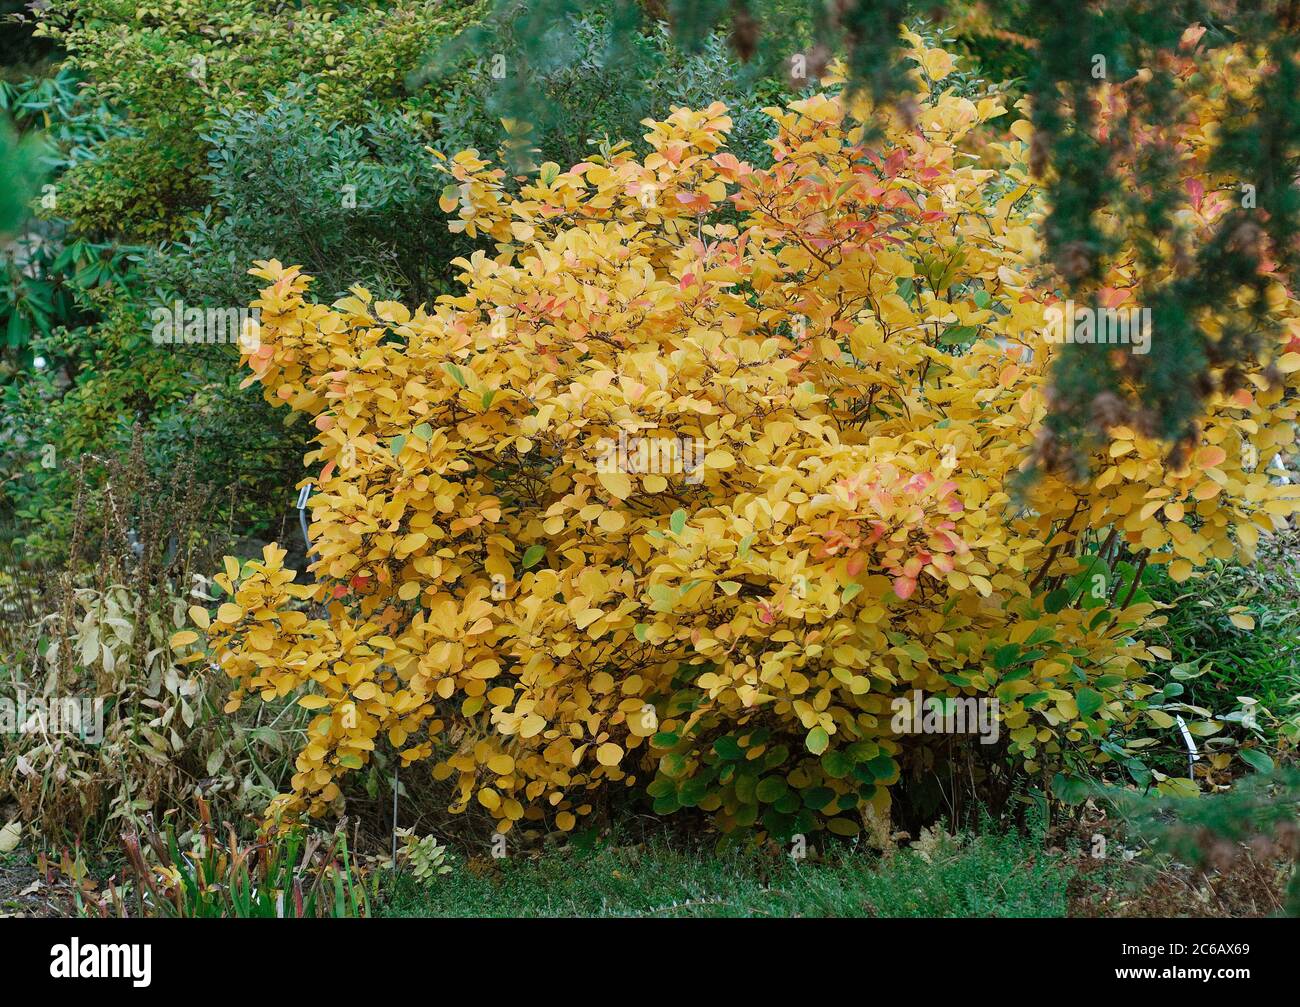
x: 517, y: 581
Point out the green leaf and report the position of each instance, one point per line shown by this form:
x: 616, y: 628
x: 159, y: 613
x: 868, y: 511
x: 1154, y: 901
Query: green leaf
x: 1041, y: 635
x: 836, y: 765
x: 817, y: 740
x: 882, y: 767
x: 1256, y: 760
x: 1005, y: 656
x: 1070, y: 789
x: 1089, y: 701
x: 661, y: 786
x: 678, y: 521
x: 692, y: 792
x: 640, y: 630
x: 771, y: 788
x: 1138, y: 770
x: 533, y: 555
x: 1056, y: 601
x: 959, y: 335
x: 396, y: 444
x: 424, y: 432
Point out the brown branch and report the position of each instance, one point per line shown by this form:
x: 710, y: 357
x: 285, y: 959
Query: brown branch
x: 1137, y: 576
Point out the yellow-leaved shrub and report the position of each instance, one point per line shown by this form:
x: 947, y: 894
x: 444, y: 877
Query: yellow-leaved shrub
x: 707, y: 466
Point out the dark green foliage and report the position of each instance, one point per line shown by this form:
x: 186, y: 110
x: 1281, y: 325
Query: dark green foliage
x: 50, y: 279
x: 19, y: 176
x: 591, y: 92
x: 349, y: 203
x: 95, y: 389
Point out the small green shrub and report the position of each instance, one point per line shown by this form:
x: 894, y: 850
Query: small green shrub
x: 353, y: 200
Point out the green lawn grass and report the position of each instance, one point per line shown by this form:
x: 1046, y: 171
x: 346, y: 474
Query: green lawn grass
x: 983, y: 876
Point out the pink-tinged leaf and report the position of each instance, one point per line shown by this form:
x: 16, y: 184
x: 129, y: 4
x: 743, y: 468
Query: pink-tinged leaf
x: 1110, y: 297
x: 904, y: 586
x: 1196, y: 190
x: 1191, y: 36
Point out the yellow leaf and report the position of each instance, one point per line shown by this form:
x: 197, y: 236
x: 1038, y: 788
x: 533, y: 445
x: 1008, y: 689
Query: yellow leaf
x: 609, y: 754
x: 229, y: 613
x: 611, y: 521
x: 616, y: 483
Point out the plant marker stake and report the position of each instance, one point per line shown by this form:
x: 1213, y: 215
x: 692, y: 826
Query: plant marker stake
x: 303, y: 495
x: 1192, y: 757
x: 394, y: 818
